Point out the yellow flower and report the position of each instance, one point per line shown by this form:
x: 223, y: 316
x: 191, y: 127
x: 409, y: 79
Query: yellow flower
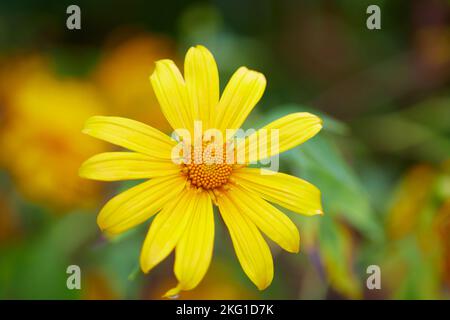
x: 184, y: 193
x: 418, y: 226
x: 39, y: 137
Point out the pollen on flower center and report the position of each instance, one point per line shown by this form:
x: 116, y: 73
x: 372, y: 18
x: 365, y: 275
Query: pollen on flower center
x: 208, y: 168
x: 208, y: 176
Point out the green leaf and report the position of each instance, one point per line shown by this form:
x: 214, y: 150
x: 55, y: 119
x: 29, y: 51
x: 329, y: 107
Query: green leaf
x: 36, y: 268
x: 336, y: 252
x: 321, y: 163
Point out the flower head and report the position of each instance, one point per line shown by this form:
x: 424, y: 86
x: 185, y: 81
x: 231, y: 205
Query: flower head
x: 186, y: 177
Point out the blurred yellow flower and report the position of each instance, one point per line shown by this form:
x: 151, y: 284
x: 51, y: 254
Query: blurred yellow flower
x: 40, y: 141
x: 14, y: 71
x: 183, y: 193
x: 122, y: 76
x: 418, y: 225
x: 411, y: 195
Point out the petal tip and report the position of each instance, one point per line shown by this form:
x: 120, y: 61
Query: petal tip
x: 163, y: 63
x: 87, y: 126
x: 320, y: 121
x: 192, y: 49
x: 173, y: 293
x: 145, y: 264
x: 295, y: 248
x: 298, y: 245
x: 87, y: 129
x: 200, y: 46
x: 82, y: 172
x: 101, y: 223
x: 145, y: 267
x: 264, y: 282
x: 263, y: 286
x: 242, y: 69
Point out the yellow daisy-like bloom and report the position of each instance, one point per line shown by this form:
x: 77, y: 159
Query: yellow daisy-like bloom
x: 183, y: 194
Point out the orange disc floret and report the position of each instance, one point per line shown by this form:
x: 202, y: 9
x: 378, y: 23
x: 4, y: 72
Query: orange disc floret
x: 209, y: 176
x: 208, y: 170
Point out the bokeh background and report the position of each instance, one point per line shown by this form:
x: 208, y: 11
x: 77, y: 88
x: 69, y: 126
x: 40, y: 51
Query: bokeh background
x: 382, y: 161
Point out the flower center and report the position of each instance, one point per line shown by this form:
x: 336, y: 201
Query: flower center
x: 208, y: 168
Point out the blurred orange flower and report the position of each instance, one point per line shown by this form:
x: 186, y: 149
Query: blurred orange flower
x: 123, y: 76
x: 40, y: 140
x: 418, y: 225
x: 411, y: 195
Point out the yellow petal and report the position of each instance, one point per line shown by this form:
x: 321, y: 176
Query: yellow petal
x: 194, y: 250
x: 288, y: 191
x: 167, y: 228
x: 113, y: 166
x: 202, y: 81
x: 130, y: 134
x: 241, y: 94
x: 274, y: 223
x: 171, y: 92
x: 139, y: 203
x: 251, y: 249
x: 281, y: 135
